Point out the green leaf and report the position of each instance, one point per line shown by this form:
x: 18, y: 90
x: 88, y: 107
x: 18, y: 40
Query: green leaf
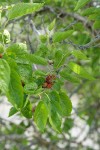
x: 95, y: 17
x: 22, y: 9
x: 41, y: 115
x: 55, y: 102
x: 13, y: 111
x: 23, y: 59
x: 58, y: 84
x: 68, y: 76
x: 96, y: 24
x: 68, y: 124
x: 79, y: 55
x: 25, y: 71
x: 42, y: 50
x: 1, y: 48
x: 65, y: 103
x: 90, y: 11
x: 43, y: 38
x: 60, y: 58
x: 17, y: 48
x: 55, y: 120
x: 27, y: 110
x: 11, y: 62
x: 6, y: 2
x: 59, y: 36
x: 30, y: 87
x: 81, y: 3
x: 21, y: 55
x: 15, y: 93
x: 4, y: 75
x: 80, y: 71
x: 52, y: 24
x: 37, y: 59
x: 39, y: 73
x: 30, y: 59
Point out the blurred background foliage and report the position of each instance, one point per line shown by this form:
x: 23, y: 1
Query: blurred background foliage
x: 81, y: 130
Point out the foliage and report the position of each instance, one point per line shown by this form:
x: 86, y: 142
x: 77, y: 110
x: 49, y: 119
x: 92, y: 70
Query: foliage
x: 40, y: 56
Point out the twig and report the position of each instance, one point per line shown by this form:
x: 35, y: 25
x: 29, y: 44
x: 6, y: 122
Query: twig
x: 86, y: 46
x: 62, y: 14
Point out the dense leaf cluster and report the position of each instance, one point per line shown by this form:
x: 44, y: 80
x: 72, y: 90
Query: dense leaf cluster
x: 34, y: 72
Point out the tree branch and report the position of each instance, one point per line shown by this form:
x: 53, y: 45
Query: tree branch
x: 86, y: 46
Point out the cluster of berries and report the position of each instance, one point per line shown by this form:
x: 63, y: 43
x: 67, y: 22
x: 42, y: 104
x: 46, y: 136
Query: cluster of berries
x: 49, y: 81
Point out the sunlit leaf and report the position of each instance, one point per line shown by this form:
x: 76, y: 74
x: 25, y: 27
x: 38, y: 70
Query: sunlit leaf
x: 79, y: 55
x: 80, y: 70
x: 22, y: 9
x: 68, y: 76
x: 81, y: 3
